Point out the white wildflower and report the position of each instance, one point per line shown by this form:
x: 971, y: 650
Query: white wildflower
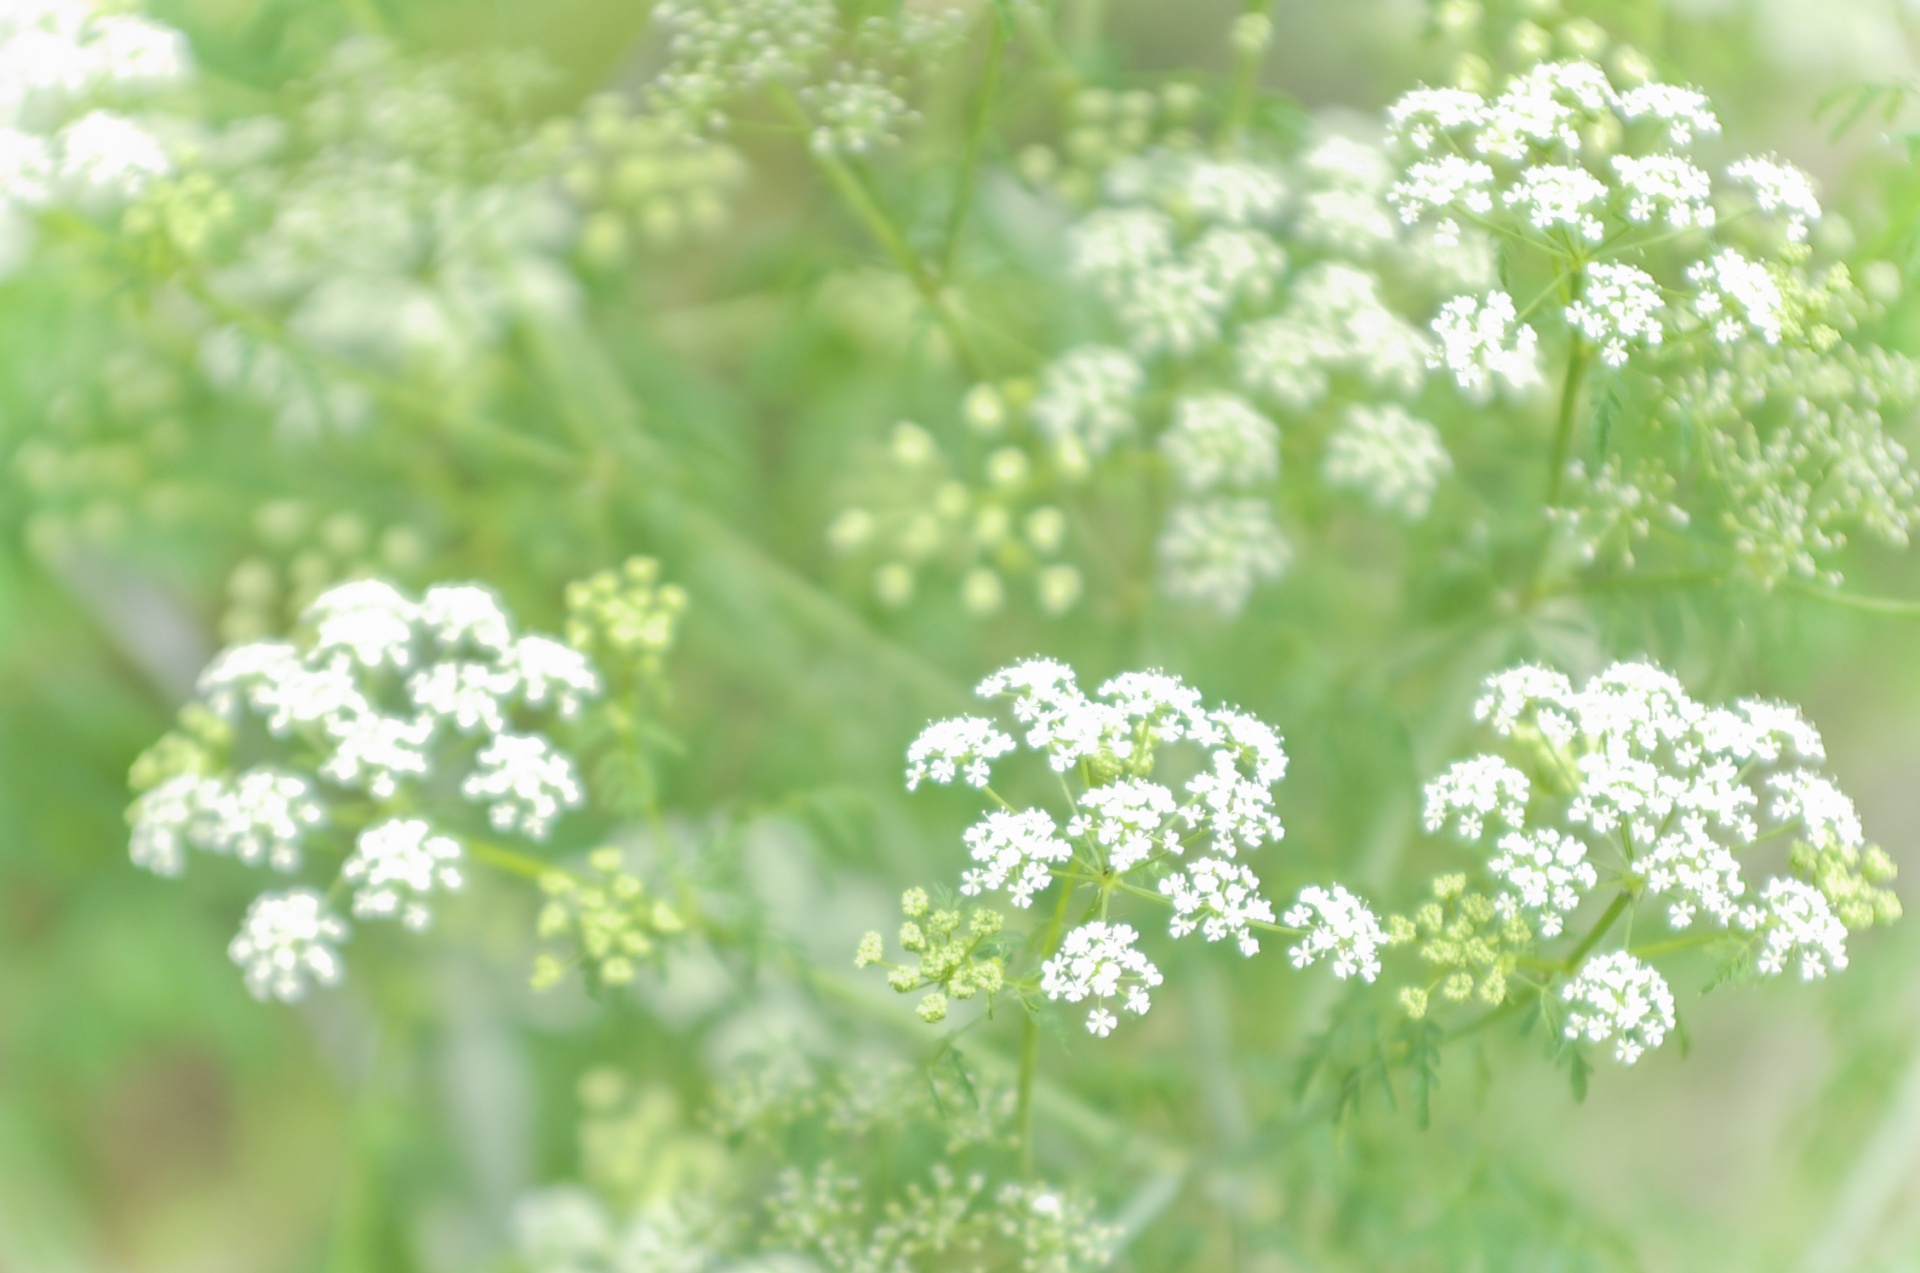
x: 1554, y: 196
x: 368, y: 620
x: 1392, y: 459
x: 1098, y: 961
x: 262, y: 815
x: 1016, y: 852
x: 1666, y: 187
x: 1619, y: 306
x: 469, y: 696
x: 375, y: 752
x: 1482, y: 341
x: 1473, y: 791
x: 1215, y: 552
x: 1737, y: 295
x: 1128, y: 819
x: 1525, y: 692
x: 289, y: 942
x: 1425, y: 115
x: 1220, y: 899
x: 1114, y: 248
x: 1338, y: 926
x: 525, y: 781
x: 1172, y: 309
x: 1086, y: 397
x: 1799, y: 924
x: 466, y: 617
x: 1781, y: 189
x: 1243, y: 265
x: 1449, y: 183
x: 1824, y: 813
x: 950, y: 748
x: 1218, y: 439
x: 163, y: 820
x: 396, y: 866
x: 105, y: 159
x: 1548, y: 873
x: 1235, y: 810
x: 1684, y: 111
x: 1231, y: 192
x: 549, y: 672
x: 1617, y: 997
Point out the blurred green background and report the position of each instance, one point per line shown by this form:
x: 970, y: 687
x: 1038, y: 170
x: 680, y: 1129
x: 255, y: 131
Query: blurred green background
x: 154, y: 1118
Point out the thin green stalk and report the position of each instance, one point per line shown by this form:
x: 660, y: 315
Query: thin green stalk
x: 1614, y: 910
x: 1893, y: 607
x: 976, y: 137
x: 1577, y: 360
x: 1243, y: 95
x: 1030, y: 1041
x: 866, y: 209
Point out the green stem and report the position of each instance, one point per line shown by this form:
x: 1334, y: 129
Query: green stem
x: 976, y: 137
x: 1893, y: 607
x: 1244, y: 93
x: 510, y: 860
x: 1577, y: 359
x: 1030, y: 1040
x: 1614, y: 910
x: 866, y: 209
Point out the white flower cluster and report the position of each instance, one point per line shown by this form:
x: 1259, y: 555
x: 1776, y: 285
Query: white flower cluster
x: 1218, y: 439
x: 1098, y: 961
x: 1123, y: 823
x: 1339, y: 927
x: 1391, y: 458
x: 288, y: 941
x: 1594, y: 176
x: 1617, y: 997
x: 64, y: 66
x: 1658, y: 793
x: 382, y: 696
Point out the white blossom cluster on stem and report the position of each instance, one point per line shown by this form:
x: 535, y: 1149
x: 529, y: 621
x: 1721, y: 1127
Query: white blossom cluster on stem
x: 376, y: 737
x: 1601, y: 182
x: 1627, y: 793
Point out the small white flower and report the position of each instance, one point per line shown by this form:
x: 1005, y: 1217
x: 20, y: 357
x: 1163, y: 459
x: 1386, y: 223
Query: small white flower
x: 1555, y: 196
x: 1737, y: 295
x: 1684, y: 111
x: 549, y: 672
x: 1394, y: 460
x: 1216, y: 552
x: 1086, y: 396
x: 104, y: 158
x: 396, y: 866
x: 1548, y: 872
x: 1218, y: 439
x: 368, y: 620
x: 1474, y: 790
x: 1439, y: 185
x: 1015, y: 852
x: 1420, y: 118
x: 1220, y: 899
x: 1237, y: 811
x: 1340, y: 927
x: 1824, y: 812
x: 288, y: 942
x: 525, y: 781
x: 1619, y: 306
x: 1098, y: 961
x: 1780, y: 188
x: 469, y: 696
x: 950, y: 748
x: 1799, y: 924
x: 466, y: 617
x: 163, y: 820
x: 1482, y: 341
x: 1128, y: 819
x: 1617, y: 997
x: 376, y: 752
x: 1668, y: 187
